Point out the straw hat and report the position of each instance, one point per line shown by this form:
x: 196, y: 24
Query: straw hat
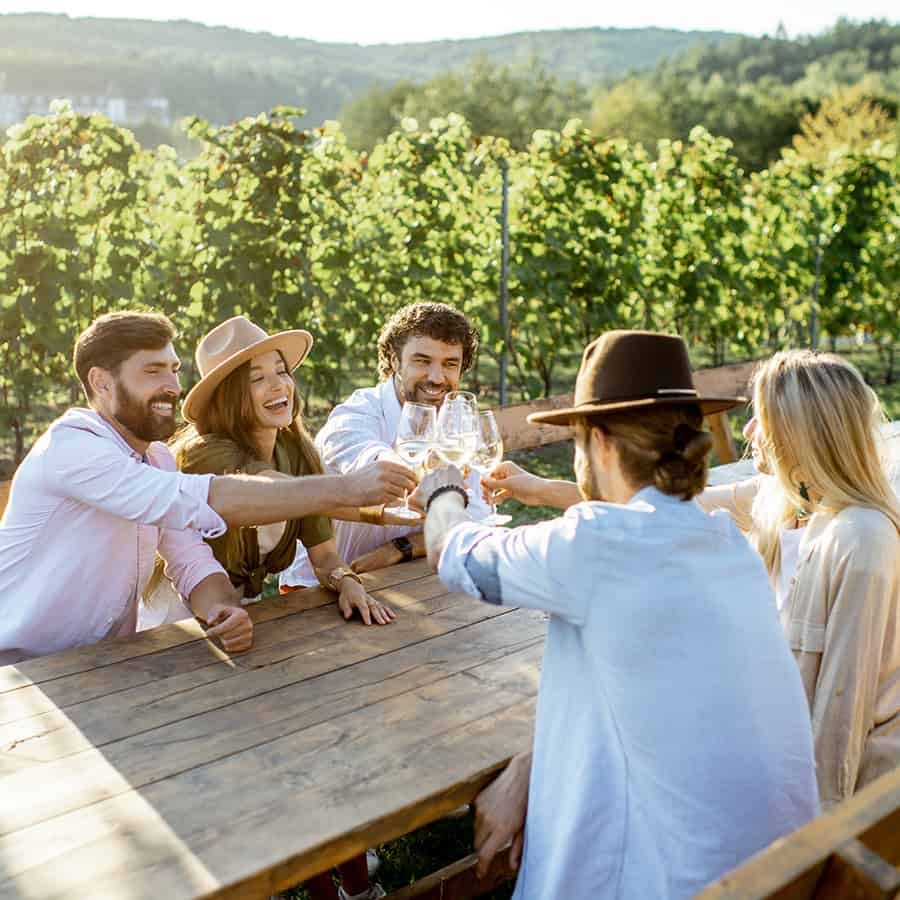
x: 634, y: 370
x: 231, y: 344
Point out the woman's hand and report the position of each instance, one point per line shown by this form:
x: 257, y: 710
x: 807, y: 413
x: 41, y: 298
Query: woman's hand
x: 353, y: 596
x: 508, y: 481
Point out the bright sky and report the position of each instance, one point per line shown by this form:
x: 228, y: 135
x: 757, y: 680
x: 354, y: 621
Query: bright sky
x: 376, y: 21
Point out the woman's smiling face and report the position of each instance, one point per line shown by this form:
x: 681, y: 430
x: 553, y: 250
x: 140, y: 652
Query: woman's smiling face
x: 271, y: 390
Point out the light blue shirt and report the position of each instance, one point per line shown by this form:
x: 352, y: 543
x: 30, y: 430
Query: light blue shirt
x: 672, y: 738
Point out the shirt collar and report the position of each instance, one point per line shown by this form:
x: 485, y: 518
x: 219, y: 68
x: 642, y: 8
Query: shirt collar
x: 652, y: 496
x: 390, y: 405
x: 123, y: 444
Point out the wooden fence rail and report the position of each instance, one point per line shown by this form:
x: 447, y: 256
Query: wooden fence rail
x: 724, y: 381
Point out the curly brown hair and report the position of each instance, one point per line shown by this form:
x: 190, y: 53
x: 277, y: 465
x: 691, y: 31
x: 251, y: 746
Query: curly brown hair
x: 439, y: 321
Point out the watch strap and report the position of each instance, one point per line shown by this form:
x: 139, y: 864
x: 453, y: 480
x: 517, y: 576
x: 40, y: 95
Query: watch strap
x: 404, y: 545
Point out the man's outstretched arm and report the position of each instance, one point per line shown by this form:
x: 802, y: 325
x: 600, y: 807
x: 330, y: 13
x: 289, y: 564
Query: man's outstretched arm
x: 260, y: 500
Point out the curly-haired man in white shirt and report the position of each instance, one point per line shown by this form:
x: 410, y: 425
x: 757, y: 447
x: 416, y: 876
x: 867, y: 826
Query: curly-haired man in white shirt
x: 424, y: 350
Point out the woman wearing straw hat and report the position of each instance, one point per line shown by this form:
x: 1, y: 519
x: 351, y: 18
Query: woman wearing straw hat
x: 245, y: 417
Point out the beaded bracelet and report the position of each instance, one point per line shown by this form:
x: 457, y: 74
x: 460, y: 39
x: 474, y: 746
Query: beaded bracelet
x: 446, y: 488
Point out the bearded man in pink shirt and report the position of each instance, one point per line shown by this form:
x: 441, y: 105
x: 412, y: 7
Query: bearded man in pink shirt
x: 98, y: 496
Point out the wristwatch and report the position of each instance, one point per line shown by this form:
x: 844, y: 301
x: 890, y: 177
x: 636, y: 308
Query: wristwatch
x: 404, y: 545
x: 337, y: 574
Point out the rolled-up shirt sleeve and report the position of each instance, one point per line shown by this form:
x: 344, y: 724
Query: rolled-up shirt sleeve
x: 188, y: 558
x: 95, y: 472
x: 736, y: 498
x: 512, y: 567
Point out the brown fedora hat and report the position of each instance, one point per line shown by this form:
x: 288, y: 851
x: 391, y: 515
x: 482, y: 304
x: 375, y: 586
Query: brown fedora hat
x: 634, y: 370
x: 230, y: 345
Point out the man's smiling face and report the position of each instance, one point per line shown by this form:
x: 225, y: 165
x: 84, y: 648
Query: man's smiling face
x: 427, y: 370
x: 145, y: 393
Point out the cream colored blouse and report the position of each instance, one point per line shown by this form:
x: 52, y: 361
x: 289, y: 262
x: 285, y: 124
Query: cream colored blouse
x: 842, y: 619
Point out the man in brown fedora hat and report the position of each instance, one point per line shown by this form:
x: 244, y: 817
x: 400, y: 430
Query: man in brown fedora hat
x: 98, y: 496
x: 672, y: 738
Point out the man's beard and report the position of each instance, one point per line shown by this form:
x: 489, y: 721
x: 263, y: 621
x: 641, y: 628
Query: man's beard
x: 416, y: 395
x: 140, y: 419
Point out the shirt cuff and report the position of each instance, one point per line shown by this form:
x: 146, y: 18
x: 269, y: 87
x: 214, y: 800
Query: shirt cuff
x: 461, y: 539
x: 194, y: 575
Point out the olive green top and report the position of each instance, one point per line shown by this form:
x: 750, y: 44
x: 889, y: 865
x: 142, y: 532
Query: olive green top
x: 238, y: 549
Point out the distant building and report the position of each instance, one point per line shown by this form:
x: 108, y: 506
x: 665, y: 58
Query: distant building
x: 121, y: 110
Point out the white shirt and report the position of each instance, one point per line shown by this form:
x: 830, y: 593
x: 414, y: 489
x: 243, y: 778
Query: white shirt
x: 789, y: 539
x: 359, y: 432
x: 85, y: 519
x: 672, y: 738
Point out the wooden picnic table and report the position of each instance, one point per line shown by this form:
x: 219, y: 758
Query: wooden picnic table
x: 159, y: 767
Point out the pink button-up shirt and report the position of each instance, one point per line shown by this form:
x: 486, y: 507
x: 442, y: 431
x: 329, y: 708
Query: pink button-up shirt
x: 85, y: 519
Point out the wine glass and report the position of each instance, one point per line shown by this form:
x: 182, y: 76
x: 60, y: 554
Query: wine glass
x: 487, y: 456
x: 457, y: 428
x: 415, y: 437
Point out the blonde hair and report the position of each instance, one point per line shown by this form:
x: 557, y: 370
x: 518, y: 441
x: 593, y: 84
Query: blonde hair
x: 663, y: 446
x: 818, y: 431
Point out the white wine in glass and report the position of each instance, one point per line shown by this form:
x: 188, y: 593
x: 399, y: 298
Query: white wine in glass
x: 413, y: 452
x: 457, y: 449
x: 415, y: 438
x: 488, y: 455
x: 457, y: 429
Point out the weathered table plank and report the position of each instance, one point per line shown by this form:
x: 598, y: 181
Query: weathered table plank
x: 314, y: 796
x: 86, y: 659
x: 159, y: 767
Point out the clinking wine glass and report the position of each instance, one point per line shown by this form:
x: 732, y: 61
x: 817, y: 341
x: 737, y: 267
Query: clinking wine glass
x: 487, y: 457
x: 457, y: 429
x: 416, y: 434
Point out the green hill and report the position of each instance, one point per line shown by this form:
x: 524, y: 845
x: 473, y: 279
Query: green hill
x: 223, y: 73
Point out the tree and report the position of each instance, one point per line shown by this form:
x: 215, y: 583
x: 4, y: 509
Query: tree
x: 847, y: 120
x: 511, y: 102
x: 632, y: 110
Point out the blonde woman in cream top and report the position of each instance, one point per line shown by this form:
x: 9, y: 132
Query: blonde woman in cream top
x: 815, y: 436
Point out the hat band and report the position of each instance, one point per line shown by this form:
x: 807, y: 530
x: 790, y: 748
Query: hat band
x: 660, y: 392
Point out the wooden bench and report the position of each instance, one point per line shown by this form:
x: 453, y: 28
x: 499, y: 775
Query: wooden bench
x: 724, y: 381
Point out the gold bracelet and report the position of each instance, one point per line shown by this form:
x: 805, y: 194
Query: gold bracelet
x: 338, y: 574
x: 372, y: 515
